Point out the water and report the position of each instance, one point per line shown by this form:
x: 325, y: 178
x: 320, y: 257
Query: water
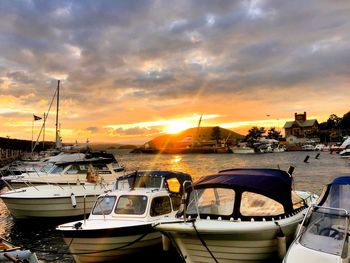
x: 310, y: 176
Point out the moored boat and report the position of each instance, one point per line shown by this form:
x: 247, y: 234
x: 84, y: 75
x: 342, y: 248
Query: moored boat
x: 53, y: 201
x: 12, y: 253
x: 324, y: 233
x: 120, y: 222
x: 238, y: 215
x: 70, y: 171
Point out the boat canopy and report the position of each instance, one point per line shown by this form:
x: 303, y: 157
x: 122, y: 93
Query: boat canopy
x: 273, y: 183
x: 337, y: 194
x: 173, y: 180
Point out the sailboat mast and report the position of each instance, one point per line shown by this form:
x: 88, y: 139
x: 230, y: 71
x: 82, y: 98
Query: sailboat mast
x: 57, y: 109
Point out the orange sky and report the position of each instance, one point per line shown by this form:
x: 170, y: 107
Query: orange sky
x: 132, y: 70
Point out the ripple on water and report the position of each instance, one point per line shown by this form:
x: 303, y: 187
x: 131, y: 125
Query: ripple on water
x: 311, y: 176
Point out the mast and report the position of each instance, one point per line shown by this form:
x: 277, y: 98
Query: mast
x: 58, y: 143
x: 196, y: 139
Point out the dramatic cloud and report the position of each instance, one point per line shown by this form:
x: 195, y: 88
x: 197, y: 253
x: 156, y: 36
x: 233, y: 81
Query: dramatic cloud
x: 142, y: 60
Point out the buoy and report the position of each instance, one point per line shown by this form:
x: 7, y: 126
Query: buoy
x: 281, y: 243
x: 306, y: 159
x: 73, y: 200
x: 165, y: 243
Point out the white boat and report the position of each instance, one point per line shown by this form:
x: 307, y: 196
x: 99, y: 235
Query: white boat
x: 308, y: 147
x: 324, y: 234
x: 121, y: 221
x: 72, y: 172
x: 12, y: 253
x: 242, y: 150
x: 238, y: 215
x: 345, y: 153
x: 53, y: 201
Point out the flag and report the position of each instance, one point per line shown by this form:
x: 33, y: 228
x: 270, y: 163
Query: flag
x: 36, y: 118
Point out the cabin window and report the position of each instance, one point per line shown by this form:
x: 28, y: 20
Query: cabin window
x: 176, y: 202
x: 253, y: 204
x: 77, y: 169
x: 215, y: 201
x: 131, y: 204
x: 104, y: 205
x: 160, y: 206
x: 102, y: 169
x: 174, y: 185
x: 57, y: 170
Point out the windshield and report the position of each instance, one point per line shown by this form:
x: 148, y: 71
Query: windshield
x: 131, y: 204
x: 47, y: 167
x: 339, y: 196
x: 57, y: 169
x: 104, y: 205
x: 139, y: 182
x: 215, y: 201
x: 326, y: 231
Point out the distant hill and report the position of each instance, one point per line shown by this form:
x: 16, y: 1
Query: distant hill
x: 187, y: 137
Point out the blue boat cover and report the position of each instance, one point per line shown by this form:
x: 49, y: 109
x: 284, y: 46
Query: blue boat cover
x: 343, y: 180
x: 273, y: 183
x: 337, y: 194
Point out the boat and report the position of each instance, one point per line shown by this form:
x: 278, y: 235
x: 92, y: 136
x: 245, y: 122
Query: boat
x: 242, y: 149
x: 324, y: 233
x: 20, y: 167
x: 308, y: 147
x: 71, y: 171
x: 12, y: 253
x: 120, y: 223
x: 345, y: 153
x: 53, y: 201
x: 238, y: 215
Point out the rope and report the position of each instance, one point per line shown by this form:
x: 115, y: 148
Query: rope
x: 203, y: 242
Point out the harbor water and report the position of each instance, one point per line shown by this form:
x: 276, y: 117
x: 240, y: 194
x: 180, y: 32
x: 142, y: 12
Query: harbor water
x: 310, y: 175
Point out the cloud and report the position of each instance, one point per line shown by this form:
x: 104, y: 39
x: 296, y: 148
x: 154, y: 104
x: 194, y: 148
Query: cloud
x: 136, y: 131
x: 110, y: 54
x: 92, y: 129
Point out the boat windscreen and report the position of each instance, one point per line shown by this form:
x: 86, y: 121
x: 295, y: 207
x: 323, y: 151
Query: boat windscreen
x: 339, y: 197
x: 212, y: 201
x: 327, y: 230
x: 104, y: 205
x: 131, y: 204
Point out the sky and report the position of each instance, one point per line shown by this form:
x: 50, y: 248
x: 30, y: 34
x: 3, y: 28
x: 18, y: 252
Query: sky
x: 135, y: 69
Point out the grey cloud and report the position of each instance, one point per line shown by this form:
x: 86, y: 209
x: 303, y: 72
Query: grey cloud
x: 102, y: 47
x: 135, y: 131
x: 92, y: 129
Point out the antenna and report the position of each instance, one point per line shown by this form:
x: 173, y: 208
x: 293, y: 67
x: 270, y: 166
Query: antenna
x: 57, y: 110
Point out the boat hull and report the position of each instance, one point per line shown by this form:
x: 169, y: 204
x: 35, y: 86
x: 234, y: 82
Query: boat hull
x: 107, y: 245
x: 230, y: 241
x: 52, y: 201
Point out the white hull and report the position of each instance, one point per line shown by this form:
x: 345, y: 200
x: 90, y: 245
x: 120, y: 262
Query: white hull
x: 110, y: 245
x: 242, y: 150
x: 230, y: 241
x: 50, y: 201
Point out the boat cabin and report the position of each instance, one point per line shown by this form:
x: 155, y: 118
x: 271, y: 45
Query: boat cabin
x: 142, y: 194
x: 244, y: 194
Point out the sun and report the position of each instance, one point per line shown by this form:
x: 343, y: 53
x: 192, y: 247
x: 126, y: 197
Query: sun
x: 176, y: 126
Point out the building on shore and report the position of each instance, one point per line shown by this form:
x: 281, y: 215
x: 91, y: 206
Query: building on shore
x: 301, y: 130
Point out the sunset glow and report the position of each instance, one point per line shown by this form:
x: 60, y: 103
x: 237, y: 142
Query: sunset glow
x: 134, y: 70
x: 177, y: 126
